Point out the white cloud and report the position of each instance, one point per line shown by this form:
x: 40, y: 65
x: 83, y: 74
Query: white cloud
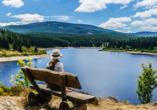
x: 123, y: 6
x: 79, y: 20
x: 115, y: 23
x: 151, y: 21
x: 129, y: 32
x: 95, y: 5
x: 146, y: 3
x: 13, y: 3
x: 126, y: 27
x: 146, y: 14
x: 119, y: 31
x: 146, y: 24
x: 8, y: 14
x: 61, y: 17
x: 7, y: 24
x: 29, y: 18
x: 150, y: 27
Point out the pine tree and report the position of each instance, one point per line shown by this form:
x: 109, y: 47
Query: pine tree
x: 35, y: 49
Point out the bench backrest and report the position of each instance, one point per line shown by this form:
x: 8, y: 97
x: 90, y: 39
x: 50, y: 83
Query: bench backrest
x: 52, y: 77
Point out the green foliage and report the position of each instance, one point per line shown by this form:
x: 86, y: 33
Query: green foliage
x: 35, y: 49
x: 1, y: 91
x: 13, y: 91
x: 121, y: 48
x: 20, y: 48
x: 9, y: 40
x: 1, y: 83
x: 127, y: 47
x: 124, y: 101
x: 146, y: 84
x: 96, y: 102
x: 20, y: 79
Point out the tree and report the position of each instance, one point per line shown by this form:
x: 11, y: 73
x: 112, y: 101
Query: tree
x: 20, y: 48
x: 146, y: 84
x: 35, y: 49
x: 15, y: 46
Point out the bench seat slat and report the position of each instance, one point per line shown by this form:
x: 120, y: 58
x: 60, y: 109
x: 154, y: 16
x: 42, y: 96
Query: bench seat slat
x: 74, y: 96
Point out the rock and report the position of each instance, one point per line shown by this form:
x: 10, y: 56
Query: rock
x: 112, y: 99
x: 9, y: 105
x: 155, y: 104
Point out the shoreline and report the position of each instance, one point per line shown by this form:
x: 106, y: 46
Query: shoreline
x: 41, y: 48
x: 16, y: 58
x: 132, y: 52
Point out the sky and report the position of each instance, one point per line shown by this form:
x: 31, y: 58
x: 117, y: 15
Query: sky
x: 128, y: 16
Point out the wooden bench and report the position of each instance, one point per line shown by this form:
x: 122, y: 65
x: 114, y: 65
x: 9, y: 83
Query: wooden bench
x: 75, y: 100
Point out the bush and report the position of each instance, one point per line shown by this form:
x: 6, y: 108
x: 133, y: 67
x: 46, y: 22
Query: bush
x: 125, y: 101
x: 20, y: 79
x: 1, y: 91
x: 35, y: 49
x: 146, y: 84
x: 16, y: 90
x: 5, y: 88
x: 96, y: 102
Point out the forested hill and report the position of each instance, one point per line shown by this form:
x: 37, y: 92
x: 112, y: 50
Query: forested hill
x: 74, y: 40
x: 7, y: 37
x: 144, y: 34
x: 60, y: 27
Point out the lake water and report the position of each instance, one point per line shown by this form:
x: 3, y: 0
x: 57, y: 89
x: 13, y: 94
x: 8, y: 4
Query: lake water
x: 100, y: 73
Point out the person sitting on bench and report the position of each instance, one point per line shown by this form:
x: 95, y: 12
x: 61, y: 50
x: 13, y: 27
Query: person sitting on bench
x: 55, y: 65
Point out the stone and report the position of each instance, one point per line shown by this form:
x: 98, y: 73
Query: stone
x: 9, y: 105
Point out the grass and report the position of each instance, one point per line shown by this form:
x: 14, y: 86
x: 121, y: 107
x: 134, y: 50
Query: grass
x: 124, y: 50
x: 25, y: 51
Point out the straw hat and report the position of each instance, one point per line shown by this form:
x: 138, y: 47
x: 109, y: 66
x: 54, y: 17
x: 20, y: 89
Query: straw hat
x: 56, y: 55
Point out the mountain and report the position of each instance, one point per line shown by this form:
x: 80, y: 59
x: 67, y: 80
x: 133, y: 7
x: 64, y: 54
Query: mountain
x: 144, y: 34
x: 60, y: 27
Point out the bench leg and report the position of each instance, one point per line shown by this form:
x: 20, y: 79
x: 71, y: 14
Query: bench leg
x: 66, y: 105
x: 36, y: 98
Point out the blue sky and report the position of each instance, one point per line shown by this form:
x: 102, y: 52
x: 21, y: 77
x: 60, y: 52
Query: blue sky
x: 119, y: 15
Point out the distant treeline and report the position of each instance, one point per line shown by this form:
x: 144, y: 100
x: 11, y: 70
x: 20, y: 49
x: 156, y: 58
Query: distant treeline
x: 7, y: 37
x: 138, y: 43
x: 74, y: 40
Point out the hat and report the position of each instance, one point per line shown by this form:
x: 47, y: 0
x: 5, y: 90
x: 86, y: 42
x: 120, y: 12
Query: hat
x: 56, y: 55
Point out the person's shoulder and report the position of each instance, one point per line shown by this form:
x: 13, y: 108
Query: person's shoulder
x: 59, y: 63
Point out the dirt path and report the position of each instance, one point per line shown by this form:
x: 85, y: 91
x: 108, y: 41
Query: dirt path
x: 104, y: 104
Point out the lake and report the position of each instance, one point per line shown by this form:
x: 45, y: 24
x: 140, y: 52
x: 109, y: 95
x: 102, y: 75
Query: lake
x: 101, y: 73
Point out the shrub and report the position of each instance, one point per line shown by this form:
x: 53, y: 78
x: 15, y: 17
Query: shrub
x: 5, y: 89
x: 146, y: 84
x: 127, y: 47
x: 20, y: 79
x: 96, y: 102
x: 1, y: 91
x: 125, y: 101
x: 35, y: 49
x: 121, y: 48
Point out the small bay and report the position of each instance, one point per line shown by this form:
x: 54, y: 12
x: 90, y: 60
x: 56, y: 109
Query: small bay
x: 100, y: 73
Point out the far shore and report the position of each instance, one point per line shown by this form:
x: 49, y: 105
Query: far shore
x: 132, y: 52
x: 41, y: 48
x: 16, y: 58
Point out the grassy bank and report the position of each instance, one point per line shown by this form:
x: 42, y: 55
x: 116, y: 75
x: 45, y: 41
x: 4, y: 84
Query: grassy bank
x: 144, y: 51
x: 25, y: 51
